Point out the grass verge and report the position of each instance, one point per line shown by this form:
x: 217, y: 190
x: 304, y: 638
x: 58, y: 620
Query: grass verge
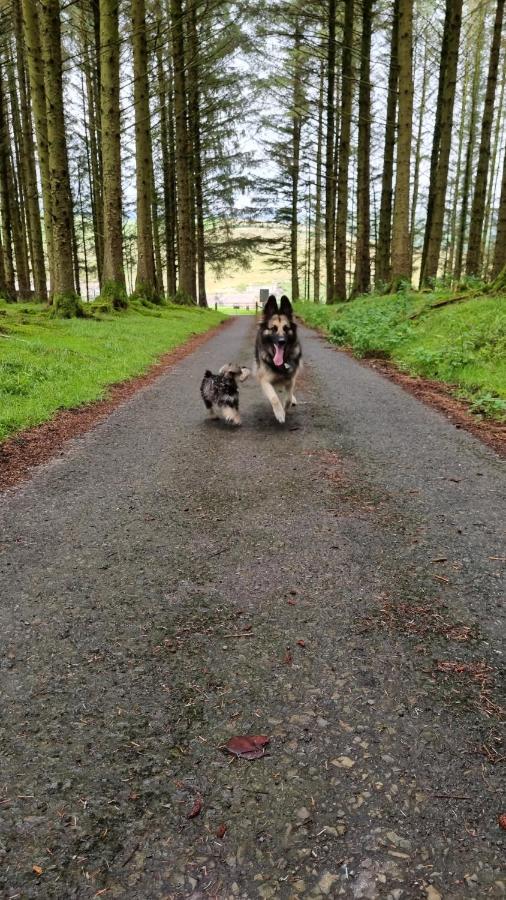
x: 462, y: 345
x: 48, y: 364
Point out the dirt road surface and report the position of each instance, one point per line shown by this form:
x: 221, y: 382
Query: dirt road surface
x: 334, y: 584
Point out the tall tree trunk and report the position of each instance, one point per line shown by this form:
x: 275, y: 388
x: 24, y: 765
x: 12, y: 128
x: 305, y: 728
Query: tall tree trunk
x: 449, y: 262
x: 492, y: 181
x: 500, y: 241
x: 5, y: 195
x: 383, y: 269
x: 362, y: 280
x: 195, y: 124
x: 401, y: 244
x: 480, y: 185
x: 75, y: 257
x: 330, y: 185
x: 297, y: 99
x: 61, y: 200
x: 93, y: 118
x: 31, y: 33
x: 168, y: 177
x: 185, y: 218
x: 3, y: 283
x: 18, y: 234
x: 472, y: 119
x: 340, y: 291
x: 145, y: 284
x: 113, y: 273
x: 435, y: 225
x: 318, y: 192
x: 83, y: 231
x: 157, y: 248
x: 418, y: 153
x: 18, y: 189
x: 30, y: 172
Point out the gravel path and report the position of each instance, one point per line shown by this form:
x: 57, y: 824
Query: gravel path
x: 152, y: 580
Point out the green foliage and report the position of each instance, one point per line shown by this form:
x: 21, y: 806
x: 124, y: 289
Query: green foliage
x: 51, y: 363
x: 113, y: 294
x: 182, y: 299
x: 463, y: 344
x: 67, y: 306
x: 145, y: 293
x: 490, y: 406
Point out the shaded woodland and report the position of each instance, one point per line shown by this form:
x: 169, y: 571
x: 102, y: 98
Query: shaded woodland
x: 374, y: 133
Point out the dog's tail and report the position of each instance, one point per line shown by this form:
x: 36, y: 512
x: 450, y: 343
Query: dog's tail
x: 208, y: 374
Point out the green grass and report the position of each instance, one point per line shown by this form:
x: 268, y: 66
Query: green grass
x: 463, y: 344
x: 48, y: 364
x: 230, y: 311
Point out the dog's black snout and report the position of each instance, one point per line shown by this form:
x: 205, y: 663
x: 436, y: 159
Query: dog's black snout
x: 281, y: 341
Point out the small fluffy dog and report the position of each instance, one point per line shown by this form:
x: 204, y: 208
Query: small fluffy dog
x: 221, y: 394
x: 278, y: 355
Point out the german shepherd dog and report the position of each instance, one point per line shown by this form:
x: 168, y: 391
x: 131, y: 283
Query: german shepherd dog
x: 221, y: 394
x: 278, y: 355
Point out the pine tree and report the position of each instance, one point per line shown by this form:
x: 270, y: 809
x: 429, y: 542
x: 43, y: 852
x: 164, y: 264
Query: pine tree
x: 318, y: 193
x: 347, y: 75
x: 29, y: 166
x: 383, y: 268
x: 31, y: 34
x: 5, y: 196
x: 113, y: 275
x: 145, y: 283
x: 362, y: 279
x: 442, y: 140
x: 194, y: 76
x: 330, y: 181
x: 471, y: 117
x: 183, y: 173
x: 297, y: 103
x: 480, y: 185
x: 499, y: 262
x: 401, y: 244
x: 59, y: 181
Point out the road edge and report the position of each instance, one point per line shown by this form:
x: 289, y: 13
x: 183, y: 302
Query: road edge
x: 435, y: 394
x: 25, y: 450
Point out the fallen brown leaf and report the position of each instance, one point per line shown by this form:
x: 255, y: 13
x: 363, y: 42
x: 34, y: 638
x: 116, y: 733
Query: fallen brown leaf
x: 502, y: 821
x: 37, y: 870
x: 221, y: 831
x: 288, y: 658
x: 196, y: 808
x: 251, y: 746
x: 301, y: 643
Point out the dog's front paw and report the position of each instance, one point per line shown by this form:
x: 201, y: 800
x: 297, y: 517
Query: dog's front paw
x: 293, y: 400
x: 280, y: 414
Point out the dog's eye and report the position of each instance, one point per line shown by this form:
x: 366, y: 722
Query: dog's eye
x: 286, y: 329
x: 275, y: 328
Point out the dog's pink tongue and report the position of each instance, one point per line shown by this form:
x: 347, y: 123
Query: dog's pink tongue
x: 279, y: 355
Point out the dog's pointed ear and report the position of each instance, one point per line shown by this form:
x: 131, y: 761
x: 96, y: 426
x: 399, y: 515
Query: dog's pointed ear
x: 285, y: 308
x: 271, y: 307
x: 245, y: 373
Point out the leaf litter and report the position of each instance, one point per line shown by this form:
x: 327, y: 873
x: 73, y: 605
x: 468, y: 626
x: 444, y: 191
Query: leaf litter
x: 419, y: 619
x: 250, y: 746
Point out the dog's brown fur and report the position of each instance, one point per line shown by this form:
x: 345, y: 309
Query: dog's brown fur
x: 278, y: 355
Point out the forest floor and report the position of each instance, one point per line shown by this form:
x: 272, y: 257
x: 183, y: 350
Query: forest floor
x: 334, y: 584
x: 47, y: 364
